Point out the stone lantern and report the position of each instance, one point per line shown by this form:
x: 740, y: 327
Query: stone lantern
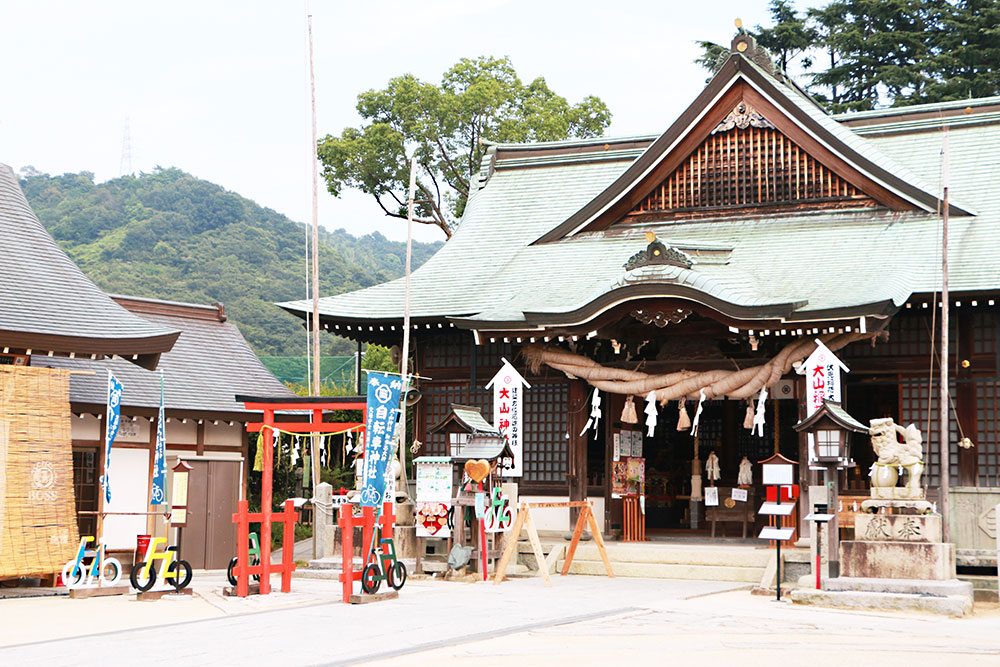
x: 831, y: 427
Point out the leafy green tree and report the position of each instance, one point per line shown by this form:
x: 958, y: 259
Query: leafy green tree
x: 966, y: 63
x: 447, y: 127
x: 790, y: 38
x: 882, y: 47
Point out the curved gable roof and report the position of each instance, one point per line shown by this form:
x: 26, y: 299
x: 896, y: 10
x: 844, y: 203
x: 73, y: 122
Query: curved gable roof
x: 794, y: 112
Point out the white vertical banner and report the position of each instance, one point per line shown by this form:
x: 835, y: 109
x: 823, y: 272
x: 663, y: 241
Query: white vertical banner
x: 508, y: 414
x: 822, y: 374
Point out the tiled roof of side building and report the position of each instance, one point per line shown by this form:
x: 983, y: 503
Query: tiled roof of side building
x: 209, y: 365
x: 47, y: 303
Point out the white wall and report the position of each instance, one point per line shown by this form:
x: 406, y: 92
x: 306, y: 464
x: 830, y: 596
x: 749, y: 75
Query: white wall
x: 129, y: 493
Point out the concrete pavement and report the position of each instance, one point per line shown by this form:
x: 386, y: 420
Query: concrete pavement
x: 584, y: 620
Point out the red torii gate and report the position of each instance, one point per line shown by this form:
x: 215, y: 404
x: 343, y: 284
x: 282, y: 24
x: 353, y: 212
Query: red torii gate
x: 315, y: 405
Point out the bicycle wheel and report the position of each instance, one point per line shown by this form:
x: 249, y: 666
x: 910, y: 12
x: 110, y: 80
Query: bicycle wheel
x: 369, y: 579
x: 111, y: 568
x: 397, y: 575
x: 231, y: 572
x: 71, y: 574
x: 140, y: 580
x: 182, y: 573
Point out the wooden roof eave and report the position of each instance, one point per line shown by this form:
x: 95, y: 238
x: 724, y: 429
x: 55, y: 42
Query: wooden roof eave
x: 143, y: 351
x: 536, y: 325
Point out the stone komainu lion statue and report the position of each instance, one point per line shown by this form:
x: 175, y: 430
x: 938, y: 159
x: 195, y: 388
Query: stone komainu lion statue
x: 894, y: 455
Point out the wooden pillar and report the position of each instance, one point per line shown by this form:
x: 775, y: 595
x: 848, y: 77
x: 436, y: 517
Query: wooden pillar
x: 200, y: 437
x: 101, y: 465
x: 576, y: 476
x: 265, y: 505
x: 806, y: 477
x: 732, y: 422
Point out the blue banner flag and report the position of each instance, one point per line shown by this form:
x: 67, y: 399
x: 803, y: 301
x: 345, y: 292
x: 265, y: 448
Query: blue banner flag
x: 383, y: 411
x: 111, y: 423
x: 159, y: 495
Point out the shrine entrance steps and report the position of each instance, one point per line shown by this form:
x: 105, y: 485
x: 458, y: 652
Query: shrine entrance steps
x: 666, y: 560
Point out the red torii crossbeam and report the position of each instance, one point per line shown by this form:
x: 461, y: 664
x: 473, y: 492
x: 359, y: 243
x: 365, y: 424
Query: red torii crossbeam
x: 314, y: 406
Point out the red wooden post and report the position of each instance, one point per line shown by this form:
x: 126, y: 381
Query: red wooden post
x: 367, y: 526
x: 288, y: 546
x: 265, y: 506
x: 242, y: 549
x: 347, y: 549
x: 482, y: 538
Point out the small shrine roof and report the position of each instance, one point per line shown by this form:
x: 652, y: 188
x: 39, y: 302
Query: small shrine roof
x: 836, y: 413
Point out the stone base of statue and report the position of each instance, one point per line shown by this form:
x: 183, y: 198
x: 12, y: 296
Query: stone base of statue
x: 897, y: 561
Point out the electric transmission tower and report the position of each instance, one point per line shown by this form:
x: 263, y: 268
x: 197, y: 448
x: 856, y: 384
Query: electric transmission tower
x: 125, y: 168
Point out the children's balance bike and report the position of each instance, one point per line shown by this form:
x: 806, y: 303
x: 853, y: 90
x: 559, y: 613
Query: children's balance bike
x: 102, y: 570
x: 254, y: 555
x: 144, y: 575
x: 384, y: 567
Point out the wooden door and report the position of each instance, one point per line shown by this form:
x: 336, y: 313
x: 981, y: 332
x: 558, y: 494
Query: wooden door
x: 223, y: 495
x: 209, y: 540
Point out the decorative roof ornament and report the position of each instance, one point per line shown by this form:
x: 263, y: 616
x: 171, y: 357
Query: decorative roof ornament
x: 661, y: 318
x: 657, y: 253
x: 742, y: 116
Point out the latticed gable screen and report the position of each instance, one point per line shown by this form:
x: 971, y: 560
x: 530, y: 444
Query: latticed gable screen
x: 742, y: 168
x: 545, y: 443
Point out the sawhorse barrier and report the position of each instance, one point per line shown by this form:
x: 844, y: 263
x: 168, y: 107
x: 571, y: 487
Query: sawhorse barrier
x: 524, y: 520
x: 348, y: 522
x: 243, y: 518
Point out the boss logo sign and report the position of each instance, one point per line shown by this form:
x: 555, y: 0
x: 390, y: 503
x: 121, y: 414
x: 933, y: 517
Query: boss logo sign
x: 43, y: 481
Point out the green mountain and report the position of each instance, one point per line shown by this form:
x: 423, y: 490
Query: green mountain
x: 169, y: 235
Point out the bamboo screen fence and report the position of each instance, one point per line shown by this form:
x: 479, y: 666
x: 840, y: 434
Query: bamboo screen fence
x: 38, y: 532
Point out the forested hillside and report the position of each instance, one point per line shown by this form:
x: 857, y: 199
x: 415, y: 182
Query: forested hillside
x: 169, y: 235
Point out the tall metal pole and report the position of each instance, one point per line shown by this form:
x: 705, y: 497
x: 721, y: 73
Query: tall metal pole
x: 405, y: 363
x: 313, y: 442
x: 943, y: 402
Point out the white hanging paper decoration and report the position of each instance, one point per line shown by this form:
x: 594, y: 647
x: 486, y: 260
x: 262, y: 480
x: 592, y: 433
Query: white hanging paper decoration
x: 745, y: 475
x: 322, y: 452
x: 650, y: 413
x: 712, y: 468
x: 758, y: 418
x: 595, y: 408
x: 295, y: 452
x: 697, y: 413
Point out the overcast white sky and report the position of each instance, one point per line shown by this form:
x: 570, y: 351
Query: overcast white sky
x: 220, y: 89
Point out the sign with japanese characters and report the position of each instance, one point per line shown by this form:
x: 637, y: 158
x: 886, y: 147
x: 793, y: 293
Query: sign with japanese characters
x: 822, y: 371
x: 383, y: 410
x: 508, y: 415
x: 822, y: 374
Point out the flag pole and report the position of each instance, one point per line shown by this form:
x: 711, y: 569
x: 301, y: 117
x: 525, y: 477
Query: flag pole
x: 944, y: 430
x: 405, y: 363
x: 313, y: 450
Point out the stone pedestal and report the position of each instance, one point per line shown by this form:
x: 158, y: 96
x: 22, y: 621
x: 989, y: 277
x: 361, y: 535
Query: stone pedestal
x: 898, y: 560
x: 323, y: 520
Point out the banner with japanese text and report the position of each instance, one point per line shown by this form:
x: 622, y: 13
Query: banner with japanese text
x: 383, y: 410
x: 508, y: 415
x: 159, y: 494
x: 111, y: 431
